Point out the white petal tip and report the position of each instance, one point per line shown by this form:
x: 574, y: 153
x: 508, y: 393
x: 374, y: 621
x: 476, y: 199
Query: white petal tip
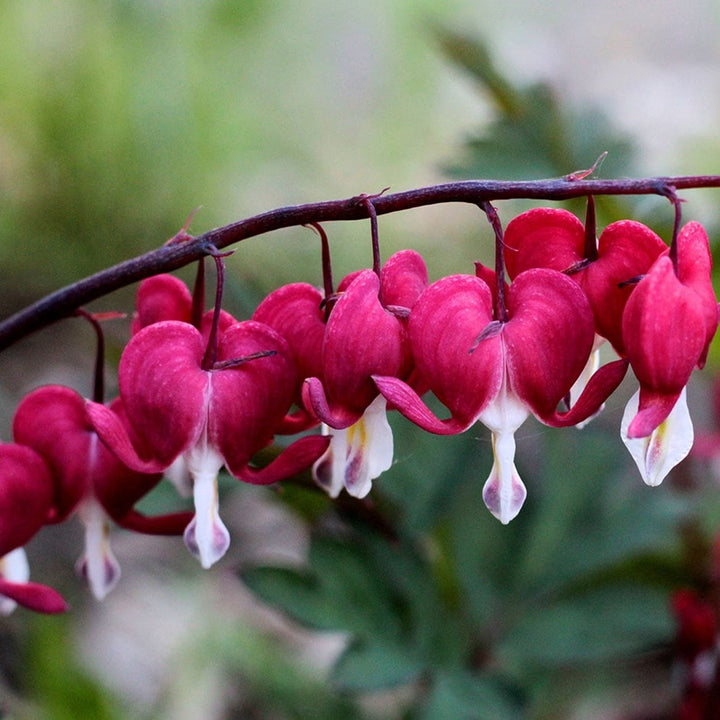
x: 670, y: 443
x: 207, y: 547
x: 503, y: 502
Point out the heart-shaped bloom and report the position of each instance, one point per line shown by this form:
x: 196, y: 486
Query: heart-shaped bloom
x: 26, y: 498
x: 88, y: 479
x: 500, y: 371
x: 365, y: 335
x: 209, y: 416
x: 554, y: 238
x: 668, y: 324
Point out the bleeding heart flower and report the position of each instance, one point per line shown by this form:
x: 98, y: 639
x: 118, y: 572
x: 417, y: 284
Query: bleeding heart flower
x: 668, y: 324
x: 211, y: 409
x: 498, y: 371
x: 297, y: 314
x: 26, y: 496
x: 365, y: 335
x: 556, y: 239
x: 88, y: 479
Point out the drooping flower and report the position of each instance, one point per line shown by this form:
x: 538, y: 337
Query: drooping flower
x: 26, y: 498
x: 605, y: 269
x: 88, y: 479
x: 500, y: 370
x: 668, y: 324
x: 209, y: 408
x: 365, y: 335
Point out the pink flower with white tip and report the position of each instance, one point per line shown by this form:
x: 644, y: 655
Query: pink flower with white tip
x: 365, y: 335
x: 668, y: 324
x: 88, y: 479
x: 498, y: 365
x: 212, y: 407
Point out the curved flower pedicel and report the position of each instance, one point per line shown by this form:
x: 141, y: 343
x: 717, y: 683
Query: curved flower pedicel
x: 88, y: 479
x: 365, y: 335
x: 26, y: 497
x: 668, y: 324
x: 211, y: 411
x: 500, y: 371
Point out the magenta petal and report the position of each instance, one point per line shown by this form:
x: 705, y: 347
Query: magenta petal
x: 407, y: 402
x: 664, y: 328
x: 548, y: 338
x: 602, y: 384
x: 292, y: 460
x: 543, y: 237
x: 163, y: 387
x: 171, y: 524
x: 694, y: 270
x: 335, y: 415
x: 248, y: 402
x: 403, y: 278
x: 161, y: 297
x: 361, y: 339
x: 444, y: 328
x: 626, y: 250
x: 114, y: 434
x: 52, y: 421
x: 295, y: 312
x: 34, y: 596
x: 26, y: 495
x: 653, y: 408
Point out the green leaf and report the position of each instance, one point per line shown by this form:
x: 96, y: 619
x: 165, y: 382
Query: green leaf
x: 375, y: 667
x: 593, y: 627
x: 461, y: 696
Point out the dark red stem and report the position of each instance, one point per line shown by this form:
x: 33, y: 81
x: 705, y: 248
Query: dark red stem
x: 183, y: 251
x: 210, y: 358
x: 494, y: 220
x: 99, y: 373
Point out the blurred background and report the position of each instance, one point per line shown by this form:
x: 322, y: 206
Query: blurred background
x: 119, y: 117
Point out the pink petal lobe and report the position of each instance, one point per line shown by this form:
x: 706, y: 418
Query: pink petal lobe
x: 161, y: 297
x: 653, y: 408
x: 171, y: 524
x: 297, y: 457
x: 403, y: 278
x: 664, y: 328
x: 163, y: 387
x: 295, y: 312
x: 361, y: 339
x: 26, y: 495
x: 626, y: 250
x: 543, y: 237
x: 601, y: 385
x: 408, y: 402
x: 248, y: 401
x: 694, y: 271
x: 114, y: 434
x: 444, y: 328
x: 34, y: 596
x: 548, y: 338
x: 333, y: 414
x: 52, y: 421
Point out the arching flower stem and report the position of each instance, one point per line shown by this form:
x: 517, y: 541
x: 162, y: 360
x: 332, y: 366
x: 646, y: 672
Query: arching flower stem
x: 501, y: 314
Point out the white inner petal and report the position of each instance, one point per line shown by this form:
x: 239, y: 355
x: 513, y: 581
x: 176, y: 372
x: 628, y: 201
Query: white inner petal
x: 504, y: 492
x: 206, y: 537
x: 179, y: 476
x: 357, y: 454
x: 657, y: 454
x: 98, y: 564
